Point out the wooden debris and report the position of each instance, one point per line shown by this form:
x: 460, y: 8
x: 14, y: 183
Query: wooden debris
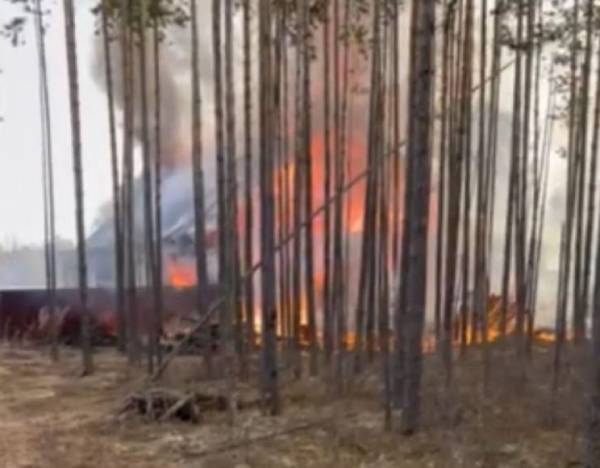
x: 160, y: 404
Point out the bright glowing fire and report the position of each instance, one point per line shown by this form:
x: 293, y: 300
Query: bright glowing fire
x: 180, y: 275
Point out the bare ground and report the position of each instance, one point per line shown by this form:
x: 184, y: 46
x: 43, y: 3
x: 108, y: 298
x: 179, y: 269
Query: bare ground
x: 51, y: 417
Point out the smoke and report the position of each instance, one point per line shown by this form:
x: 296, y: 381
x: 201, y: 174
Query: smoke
x: 174, y: 76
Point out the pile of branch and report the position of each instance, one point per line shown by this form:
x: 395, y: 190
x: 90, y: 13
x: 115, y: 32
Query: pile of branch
x: 159, y: 404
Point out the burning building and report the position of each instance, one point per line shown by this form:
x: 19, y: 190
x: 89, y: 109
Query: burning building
x: 177, y: 235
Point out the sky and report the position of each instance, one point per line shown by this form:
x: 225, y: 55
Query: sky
x: 21, y: 211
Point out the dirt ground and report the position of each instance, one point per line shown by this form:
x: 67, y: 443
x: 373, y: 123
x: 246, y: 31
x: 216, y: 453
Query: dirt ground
x: 51, y: 417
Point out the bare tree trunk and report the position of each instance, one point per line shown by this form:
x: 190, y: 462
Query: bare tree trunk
x: 48, y: 175
x: 339, y: 122
x: 364, y: 309
x: 592, y: 432
x: 249, y: 214
x: 298, y: 211
x: 199, y: 203
x: 219, y: 145
x: 159, y: 304
x: 480, y: 268
x: 582, y: 305
x: 571, y: 183
x: 233, y: 310
x: 466, y: 148
x: 150, y: 251
x: 71, y: 45
x: 443, y: 156
x: 133, y: 345
x: 117, y: 215
x: 417, y: 196
x: 327, y: 221
x: 269, y: 372
x: 307, y: 160
x: 592, y: 190
x: 454, y: 190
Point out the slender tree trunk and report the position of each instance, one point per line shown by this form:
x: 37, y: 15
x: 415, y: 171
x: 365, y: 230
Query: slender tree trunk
x: 454, y: 191
x: 592, y: 187
x: 71, y: 46
x: 443, y: 153
x: 571, y: 184
x: 307, y: 160
x: 480, y: 269
x: 249, y: 214
x: 592, y: 432
x: 219, y: 142
x: 327, y: 221
x: 198, y: 179
x: 48, y: 176
x: 150, y: 250
x: 117, y: 215
x: 133, y: 345
x: 582, y: 305
x: 269, y: 372
x: 418, y: 192
x: 298, y: 211
x: 159, y: 305
x: 466, y: 135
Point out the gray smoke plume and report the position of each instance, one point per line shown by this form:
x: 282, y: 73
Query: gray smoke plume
x: 174, y: 74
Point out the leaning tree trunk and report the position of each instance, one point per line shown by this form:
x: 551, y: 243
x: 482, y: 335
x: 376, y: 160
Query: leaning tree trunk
x: 71, y: 45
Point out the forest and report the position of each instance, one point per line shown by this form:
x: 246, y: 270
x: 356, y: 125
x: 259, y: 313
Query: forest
x: 339, y: 233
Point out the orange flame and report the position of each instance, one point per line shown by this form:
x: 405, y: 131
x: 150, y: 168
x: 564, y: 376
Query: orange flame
x: 180, y: 275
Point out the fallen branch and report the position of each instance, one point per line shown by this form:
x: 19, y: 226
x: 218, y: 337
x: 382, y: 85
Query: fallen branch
x: 175, y: 351
x: 186, y: 400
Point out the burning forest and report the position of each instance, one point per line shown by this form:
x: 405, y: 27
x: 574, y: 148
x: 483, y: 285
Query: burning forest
x: 334, y: 233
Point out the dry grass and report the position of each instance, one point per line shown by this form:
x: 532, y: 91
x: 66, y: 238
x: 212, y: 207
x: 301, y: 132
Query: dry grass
x: 49, y: 417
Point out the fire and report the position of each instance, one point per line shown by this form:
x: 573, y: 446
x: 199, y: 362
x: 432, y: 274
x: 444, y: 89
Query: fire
x: 180, y: 275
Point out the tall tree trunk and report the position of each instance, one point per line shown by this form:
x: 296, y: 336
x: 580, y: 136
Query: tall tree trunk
x: 233, y: 310
x: 580, y: 318
x: 269, y: 370
x: 159, y: 302
x: 150, y: 250
x: 48, y: 175
x: 466, y: 137
x: 198, y: 179
x: 249, y: 213
x: 307, y: 161
x: 327, y: 251
x: 443, y: 153
x: 117, y: 214
x: 571, y: 184
x: 417, y: 198
x: 71, y: 46
x: 133, y: 345
x: 456, y: 124
x: 339, y: 122
x: 480, y: 273
x: 219, y: 145
x: 592, y: 187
